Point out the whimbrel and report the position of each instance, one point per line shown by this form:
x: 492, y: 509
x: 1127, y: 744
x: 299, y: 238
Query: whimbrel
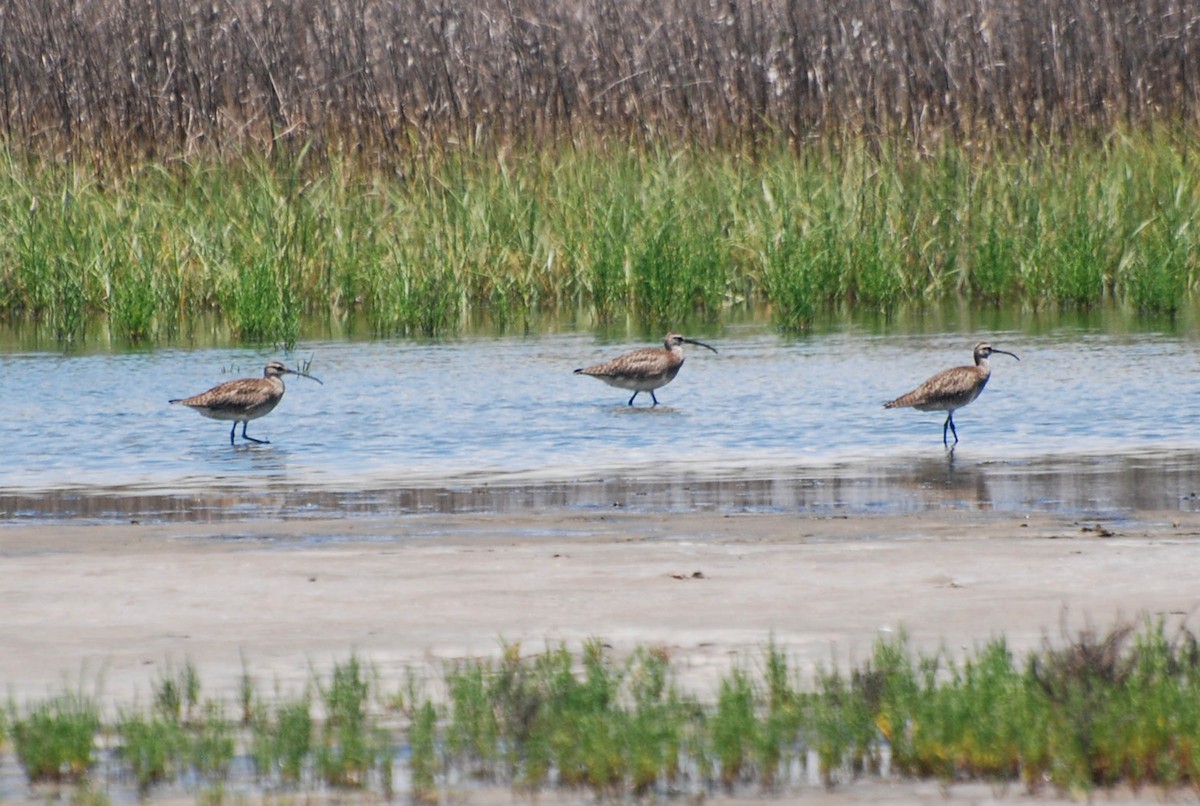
x: 244, y: 399
x: 644, y: 370
x: 951, y: 389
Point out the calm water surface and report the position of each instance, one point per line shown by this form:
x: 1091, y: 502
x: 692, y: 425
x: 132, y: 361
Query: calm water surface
x: 1089, y: 419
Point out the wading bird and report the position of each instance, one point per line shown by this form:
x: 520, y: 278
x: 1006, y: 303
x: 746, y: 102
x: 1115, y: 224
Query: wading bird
x: 245, y: 399
x: 644, y: 370
x: 951, y: 389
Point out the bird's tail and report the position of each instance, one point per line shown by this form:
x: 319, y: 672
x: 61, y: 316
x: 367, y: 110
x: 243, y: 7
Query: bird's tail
x: 901, y: 402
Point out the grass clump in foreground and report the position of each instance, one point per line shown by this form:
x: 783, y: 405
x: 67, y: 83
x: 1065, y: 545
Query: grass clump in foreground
x: 352, y: 746
x: 664, y: 239
x: 347, y: 749
x: 179, y: 735
x: 579, y: 722
x: 54, y: 738
x: 1102, y: 710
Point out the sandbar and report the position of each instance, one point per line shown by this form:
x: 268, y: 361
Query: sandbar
x: 112, y: 606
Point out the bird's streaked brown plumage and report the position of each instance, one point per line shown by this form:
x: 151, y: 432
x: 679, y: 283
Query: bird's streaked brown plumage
x: 243, y: 399
x: 951, y: 389
x: 644, y: 370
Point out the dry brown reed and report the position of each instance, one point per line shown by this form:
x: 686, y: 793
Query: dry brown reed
x: 168, y: 78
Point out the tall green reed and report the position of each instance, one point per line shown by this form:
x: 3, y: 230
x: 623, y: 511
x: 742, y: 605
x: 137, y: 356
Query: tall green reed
x: 657, y: 237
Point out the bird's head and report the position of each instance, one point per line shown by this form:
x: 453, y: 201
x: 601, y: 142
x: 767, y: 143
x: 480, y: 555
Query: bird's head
x: 983, y: 350
x: 276, y: 368
x: 676, y: 340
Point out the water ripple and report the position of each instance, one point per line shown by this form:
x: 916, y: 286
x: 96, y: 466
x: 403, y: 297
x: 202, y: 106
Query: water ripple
x: 766, y: 414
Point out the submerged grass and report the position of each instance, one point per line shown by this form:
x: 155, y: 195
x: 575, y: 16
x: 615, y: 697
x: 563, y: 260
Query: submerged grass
x: 152, y: 747
x: 660, y: 237
x: 179, y: 735
x: 281, y: 741
x: 1101, y: 710
x: 54, y: 738
x: 352, y: 746
x: 1105, y: 709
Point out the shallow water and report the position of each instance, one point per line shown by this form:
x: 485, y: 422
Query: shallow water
x: 1094, y: 419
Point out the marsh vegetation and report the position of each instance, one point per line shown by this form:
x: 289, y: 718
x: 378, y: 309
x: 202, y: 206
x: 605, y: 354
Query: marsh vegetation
x: 419, y: 168
x: 387, y: 82
x: 1095, y: 711
x: 656, y: 237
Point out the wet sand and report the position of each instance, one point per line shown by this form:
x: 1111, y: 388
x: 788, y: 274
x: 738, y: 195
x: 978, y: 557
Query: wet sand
x: 120, y: 603
x: 126, y: 599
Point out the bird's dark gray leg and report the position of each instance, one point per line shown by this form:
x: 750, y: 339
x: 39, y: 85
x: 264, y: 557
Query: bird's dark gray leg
x: 653, y: 397
x: 232, y: 431
x: 250, y: 438
x: 635, y: 394
x: 953, y: 430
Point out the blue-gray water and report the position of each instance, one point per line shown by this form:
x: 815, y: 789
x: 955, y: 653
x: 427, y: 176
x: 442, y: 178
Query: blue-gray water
x: 1088, y: 420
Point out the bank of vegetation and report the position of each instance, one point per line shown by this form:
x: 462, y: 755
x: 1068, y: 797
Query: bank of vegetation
x: 416, y: 168
x: 1100, y: 710
x: 96, y: 79
x: 665, y: 239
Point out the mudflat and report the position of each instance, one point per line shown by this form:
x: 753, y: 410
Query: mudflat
x: 281, y: 598
x: 112, y: 606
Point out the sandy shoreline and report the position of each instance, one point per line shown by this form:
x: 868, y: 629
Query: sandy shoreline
x: 121, y: 603
x: 126, y: 599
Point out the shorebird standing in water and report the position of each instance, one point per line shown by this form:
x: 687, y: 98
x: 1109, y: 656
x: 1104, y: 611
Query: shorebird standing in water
x: 951, y: 389
x: 644, y: 370
x: 245, y: 399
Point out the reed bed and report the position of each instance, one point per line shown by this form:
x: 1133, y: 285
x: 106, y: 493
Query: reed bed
x: 95, y: 79
x: 663, y: 238
x: 418, y: 168
x: 1097, y: 710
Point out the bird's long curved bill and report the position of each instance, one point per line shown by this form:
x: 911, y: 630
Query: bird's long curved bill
x: 1006, y: 352
x: 699, y: 344
x: 318, y: 380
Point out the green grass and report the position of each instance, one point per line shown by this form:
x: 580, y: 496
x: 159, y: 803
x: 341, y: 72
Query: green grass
x: 660, y: 238
x: 177, y: 692
x: 1095, y: 711
x: 152, y: 747
x: 179, y: 734
x: 282, y: 741
x: 351, y: 745
x: 54, y: 738
x: 213, y: 744
x: 603, y: 725
x: 423, y: 762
